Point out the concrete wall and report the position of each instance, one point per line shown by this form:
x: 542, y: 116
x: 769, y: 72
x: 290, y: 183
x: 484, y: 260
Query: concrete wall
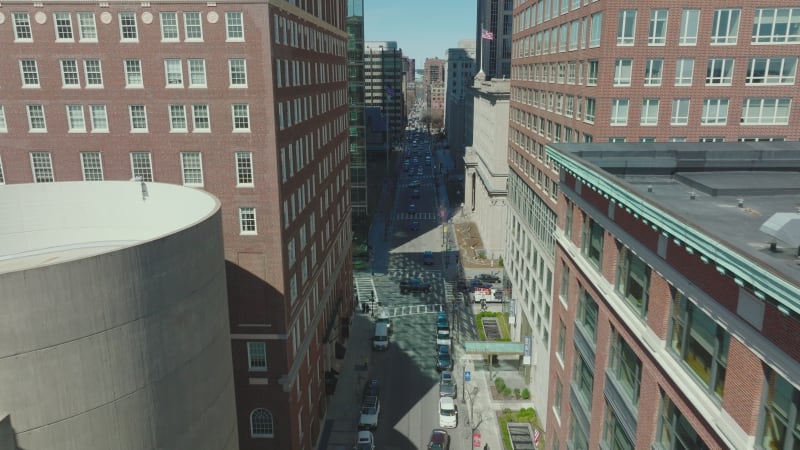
x: 125, y: 350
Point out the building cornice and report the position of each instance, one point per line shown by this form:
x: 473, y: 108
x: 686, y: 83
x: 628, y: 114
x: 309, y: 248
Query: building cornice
x: 727, y: 260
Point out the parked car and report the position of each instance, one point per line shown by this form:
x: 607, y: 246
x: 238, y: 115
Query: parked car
x: 413, y: 184
x: 443, y: 359
x: 365, y: 441
x: 414, y: 285
x: 488, y: 278
x: 414, y: 225
x: 448, y: 413
x: 439, y: 440
x: 427, y: 258
x: 370, y: 410
x: 372, y: 388
x: 412, y: 208
x: 442, y: 322
x: 447, y: 385
x: 415, y: 193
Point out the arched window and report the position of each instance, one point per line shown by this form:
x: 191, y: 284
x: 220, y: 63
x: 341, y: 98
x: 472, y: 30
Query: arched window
x: 261, y: 424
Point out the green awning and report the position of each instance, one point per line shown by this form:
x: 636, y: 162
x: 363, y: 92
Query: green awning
x: 494, y: 348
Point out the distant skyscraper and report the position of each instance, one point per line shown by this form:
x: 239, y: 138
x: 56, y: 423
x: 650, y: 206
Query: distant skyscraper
x: 495, y: 17
x: 459, y: 75
x: 383, y: 82
x: 357, y: 119
x: 435, y: 90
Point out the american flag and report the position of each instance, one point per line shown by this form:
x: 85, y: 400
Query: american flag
x: 486, y: 34
x: 535, y: 438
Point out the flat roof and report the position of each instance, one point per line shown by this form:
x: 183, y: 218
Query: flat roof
x: 51, y: 223
x: 724, y: 191
x: 494, y: 347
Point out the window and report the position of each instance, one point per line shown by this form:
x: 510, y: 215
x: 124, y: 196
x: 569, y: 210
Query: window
x: 614, y: 435
x: 587, y: 315
x: 36, y: 122
x: 592, y: 244
x: 591, y: 73
x: 133, y: 73
x: 3, y: 124
x: 69, y: 73
x: 772, y: 70
x: 652, y: 72
x: 42, y: 166
x: 193, y: 26
x: 99, y: 118
x: 590, y: 108
x: 141, y: 166
x: 261, y: 424
x: 173, y: 71
x: 92, y: 166
x: 683, y: 72
x: 241, y: 117
x: 238, y: 72
x: 680, y: 111
x: 244, y: 168
x: 700, y: 343
x: 619, y: 111
x: 577, y: 435
x: 169, y: 27
x: 93, y: 72
x: 177, y: 118
x: 197, y: 73
x: 2, y: 175
x: 712, y: 139
x: 247, y: 220
x: 622, y: 72
x: 649, y: 112
x: 725, y: 28
x: 257, y: 356
x: 715, y: 111
x: 582, y: 381
x: 658, y: 27
x: 557, y: 400
x: 76, y: 121
x: 562, y: 332
x: 597, y: 28
x: 766, y: 111
x: 776, y: 26
x: 127, y: 27
x: 138, y: 115
x: 781, y: 426
x: 192, y: 168
x: 675, y: 432
x: 87, y: 27
x: 720, y: 71
x: 30, y: 73
x: 234, y: 26
x: 202, y: 122
x: 690, y: 20
x: 626, y: 28
x: 22, y: 27
x: 63, y: 23
x: 626, y: 368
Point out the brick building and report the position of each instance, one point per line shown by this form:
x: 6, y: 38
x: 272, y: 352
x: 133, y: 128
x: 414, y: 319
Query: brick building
x: 620, y: 71
x: 676, y: 319
x: 245, y: 100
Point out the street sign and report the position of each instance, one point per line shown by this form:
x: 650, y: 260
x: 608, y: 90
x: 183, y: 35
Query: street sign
x: 467, y: 375
x: 476, y: 440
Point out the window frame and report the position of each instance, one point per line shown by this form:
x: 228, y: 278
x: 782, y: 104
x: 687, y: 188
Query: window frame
x: 657, y: 33
x: 648, y: 119
x: 91, y: 168
x: 726, y: 33
x: 76, y: 124
x: 623, y: 72
x: 268, y: 424
x: 192, y: 31
x: 653, y: 72
x: 29, y: 73
x: 232, y: 27
x: 91, y: 75
x: 620, y: 109
x: 42, y: 167
x: 178, y: 122
x: 679, y: 117
x: 128, y: 26
x: 192, y: 64
x: 723, y: 76
x: 133, y: 73
x: 789, y: 37
x: 138, y: 113
x: 87, y: 29
x: 244, y: 168
x: 234, y: 73
x: 141, y: 166
x: 626, y: 27
x: 173, y: 73
x: 36, y: 114
x: 95, y: 118
x: 764, y: 105
x: 767, y: 74
x: 201, y: 118
x: 3, y: 122
x: 248, y: 222
x: 167, y: 27
x: 62, y: 25
x: 253, y: 355
x: 242, y: 117
x: 718, y: 104
x: 192, y: 169
x: 690, y: 27
x: 681, y: 70
x: 23, y: 32
x: 70, y: 77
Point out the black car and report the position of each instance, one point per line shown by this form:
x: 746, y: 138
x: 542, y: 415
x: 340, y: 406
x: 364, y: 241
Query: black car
x: 371, y: 389
x: 439, y: 440
x: 444, y: 361
x: 489, y: 278
x: 414, y: 285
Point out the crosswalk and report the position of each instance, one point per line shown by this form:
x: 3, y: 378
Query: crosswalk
x: 451, y: 294
x: 412, y: 310
x: 425, y: 275
x: 365, y: 288
x: 416, y: 216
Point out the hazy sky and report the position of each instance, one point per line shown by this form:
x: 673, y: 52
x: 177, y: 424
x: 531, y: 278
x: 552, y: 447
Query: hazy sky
x: 422, y: 28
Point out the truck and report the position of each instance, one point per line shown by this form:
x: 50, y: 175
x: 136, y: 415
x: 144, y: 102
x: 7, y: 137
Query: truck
x: 370, y: 409
x: 414, y: 285
x: 486, y: 295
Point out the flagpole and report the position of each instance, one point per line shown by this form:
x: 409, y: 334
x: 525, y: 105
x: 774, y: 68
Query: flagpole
x: 482, y: 50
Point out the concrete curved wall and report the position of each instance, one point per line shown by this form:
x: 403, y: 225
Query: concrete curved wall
x: 126, y: 349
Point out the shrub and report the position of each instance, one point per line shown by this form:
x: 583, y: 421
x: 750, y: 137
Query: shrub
x: 526, y: 394
x: 500, y: 262
x: 499, y: 384
x: 516, y: 393
x: 507, y: 391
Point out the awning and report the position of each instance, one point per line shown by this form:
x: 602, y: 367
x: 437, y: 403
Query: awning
x: 494, y: 348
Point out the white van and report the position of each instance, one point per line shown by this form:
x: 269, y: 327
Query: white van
x: 380, y: 340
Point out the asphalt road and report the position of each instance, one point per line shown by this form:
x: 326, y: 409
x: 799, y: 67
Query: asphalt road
x: 407, y: 371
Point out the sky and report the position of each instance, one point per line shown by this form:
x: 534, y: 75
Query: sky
x: 422, y: 28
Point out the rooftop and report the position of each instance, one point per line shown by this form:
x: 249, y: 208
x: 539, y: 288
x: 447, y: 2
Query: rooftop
x: 51, y: 223
x: 724, y: 192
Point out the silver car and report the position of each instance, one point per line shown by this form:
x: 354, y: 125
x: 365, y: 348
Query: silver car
x: 447, y: 385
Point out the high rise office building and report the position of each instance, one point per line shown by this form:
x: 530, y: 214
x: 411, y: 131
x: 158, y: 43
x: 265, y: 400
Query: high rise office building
x: 493, y: 56
x: 612, y: 71
x: 359, y: 192
x: 245, y: 100
x: 383, y: 83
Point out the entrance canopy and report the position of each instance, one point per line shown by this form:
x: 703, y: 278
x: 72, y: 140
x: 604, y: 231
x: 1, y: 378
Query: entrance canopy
x: 494, y: 348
